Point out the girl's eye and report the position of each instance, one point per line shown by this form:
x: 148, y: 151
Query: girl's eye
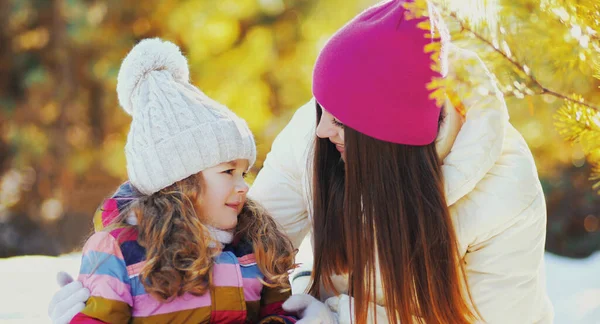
x: 230, y: 171
x: 336, y: 122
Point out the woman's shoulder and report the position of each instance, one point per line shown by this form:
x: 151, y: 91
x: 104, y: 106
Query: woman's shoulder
x: 509, y: 193
x: 512, y: 183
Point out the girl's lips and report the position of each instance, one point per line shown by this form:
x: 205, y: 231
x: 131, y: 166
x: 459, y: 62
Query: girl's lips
x: 235, y: 206
x: 340, y: 148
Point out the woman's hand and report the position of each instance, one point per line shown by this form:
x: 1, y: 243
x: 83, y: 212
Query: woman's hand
x: 68, y: 301
x: 309, y: 309
x: 343, y: 306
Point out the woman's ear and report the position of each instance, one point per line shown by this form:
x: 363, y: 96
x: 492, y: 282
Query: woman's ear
x: 451, y: 125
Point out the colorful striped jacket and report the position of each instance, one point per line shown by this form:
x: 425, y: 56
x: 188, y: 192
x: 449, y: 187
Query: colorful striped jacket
x: 112, y: 261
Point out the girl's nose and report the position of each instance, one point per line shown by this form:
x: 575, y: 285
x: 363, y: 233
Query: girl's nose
x: 242, y: 186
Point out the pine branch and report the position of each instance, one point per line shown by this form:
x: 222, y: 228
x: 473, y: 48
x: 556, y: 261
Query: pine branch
x: 519, y: 66
x: 595, y: 176
x: 580, y: 124
x: 576, y: 122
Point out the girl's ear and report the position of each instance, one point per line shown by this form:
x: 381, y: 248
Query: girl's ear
x: 451, y: 125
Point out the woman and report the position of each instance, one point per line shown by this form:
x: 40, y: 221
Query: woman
x: 384, y: 231
x: 380, y: 217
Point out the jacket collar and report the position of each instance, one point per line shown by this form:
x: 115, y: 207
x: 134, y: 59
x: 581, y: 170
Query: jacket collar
x: 478, y: 143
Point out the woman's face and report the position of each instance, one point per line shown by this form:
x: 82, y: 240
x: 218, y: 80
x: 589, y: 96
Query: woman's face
x: 331, y: 128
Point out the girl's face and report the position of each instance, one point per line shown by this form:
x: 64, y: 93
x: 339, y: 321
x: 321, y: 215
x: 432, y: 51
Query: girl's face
x: 224, y: 193
x: 331, y: 128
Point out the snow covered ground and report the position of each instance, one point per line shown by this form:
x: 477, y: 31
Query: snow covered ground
x: 574, y: 288
x: 27, y: 284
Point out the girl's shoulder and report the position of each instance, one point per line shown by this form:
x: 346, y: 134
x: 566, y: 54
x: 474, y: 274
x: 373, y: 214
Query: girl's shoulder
x: 120, y: 243
x: 126, y: 238
x: 113, y: 206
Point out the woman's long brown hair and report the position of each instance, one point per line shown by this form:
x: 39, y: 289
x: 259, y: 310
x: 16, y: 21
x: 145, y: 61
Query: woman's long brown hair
x: 387, y: 199
x: 180, y: 250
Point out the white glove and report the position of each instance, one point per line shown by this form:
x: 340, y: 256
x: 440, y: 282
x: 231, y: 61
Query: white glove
x: 310, y: 310
x: 68, y: 301
x: 300, y: 284
x: 341, y: 306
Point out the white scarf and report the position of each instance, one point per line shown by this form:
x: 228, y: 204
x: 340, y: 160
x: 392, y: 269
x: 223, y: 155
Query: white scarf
x: 223, y: 236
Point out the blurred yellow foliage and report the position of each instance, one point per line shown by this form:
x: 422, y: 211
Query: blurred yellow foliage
x: 59, y: 114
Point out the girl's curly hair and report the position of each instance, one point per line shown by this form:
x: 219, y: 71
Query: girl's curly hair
x: 273, y: 249
x: 180, y: 250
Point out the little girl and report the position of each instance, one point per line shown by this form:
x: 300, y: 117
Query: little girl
x: 198, y: 251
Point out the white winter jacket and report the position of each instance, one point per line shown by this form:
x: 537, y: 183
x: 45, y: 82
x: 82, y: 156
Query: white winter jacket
x: 492, y: 188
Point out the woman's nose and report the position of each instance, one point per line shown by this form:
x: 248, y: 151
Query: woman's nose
x: 325, y: 128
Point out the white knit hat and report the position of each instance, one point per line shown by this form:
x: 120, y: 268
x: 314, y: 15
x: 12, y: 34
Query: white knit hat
x: 177, y: 130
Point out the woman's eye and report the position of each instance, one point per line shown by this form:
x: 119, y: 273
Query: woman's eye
x: 230, y: 171
x: 336, y: 122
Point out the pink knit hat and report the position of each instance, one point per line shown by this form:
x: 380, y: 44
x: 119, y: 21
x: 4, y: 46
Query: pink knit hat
x: 373, y: 76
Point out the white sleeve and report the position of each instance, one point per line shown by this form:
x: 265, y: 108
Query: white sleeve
x: 506, y: 274
x: 280, y: 185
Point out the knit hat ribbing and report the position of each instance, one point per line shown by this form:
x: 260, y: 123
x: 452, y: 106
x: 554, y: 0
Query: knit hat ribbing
x: 177, y: 130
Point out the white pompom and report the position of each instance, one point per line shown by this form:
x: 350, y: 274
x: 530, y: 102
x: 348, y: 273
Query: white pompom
x: 151, y: 54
